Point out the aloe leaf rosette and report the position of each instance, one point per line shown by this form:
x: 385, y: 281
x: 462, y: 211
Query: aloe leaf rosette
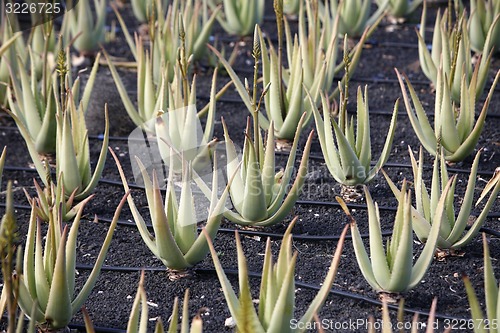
x: 456, y: 129
x: 451, y: 53
x: 354, y: 15
x: 176, y: 241
x: 259, y: 194
x: 187, y: 24
x: 277, y: 290
x: 145, y: 9
x: 400, y: 8
x: 348, y: 152
x: 391, y: 270
x: 317, y: 42
x: 86, y: 28
x: 483, y: 13
x: 239, y: 17
x: 453, y: 234
x: 47, y: 276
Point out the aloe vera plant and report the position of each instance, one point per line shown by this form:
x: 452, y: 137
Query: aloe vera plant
x: 9, y: 237
x: 284, y: 104
x: 277, y: 289
x: 348, y: 155
x: 34, y: 105
x: 47, y: 276
x: 400, y: 8
x: 144, y: 9
x: 151, y: 97
x: 317, y: 42
x: 178, y: 126
x: 392, y: 271
x: 257, y: 193
x: 187, y: 25
x: 451, y: 54
x: 176, y: 241
x: 483, y: 14
x: 452, y: 234
x: 457, y: 131
x: 138, y: 320
x: 44, y: 47
x: 489, y: 323
x: 51, y: 202
x: 8, y: 53
x: 86, y: 29
x: 239, y: 17
x: 354, y: 15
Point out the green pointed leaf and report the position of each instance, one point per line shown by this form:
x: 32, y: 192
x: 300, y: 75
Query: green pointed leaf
x: 58, y: 312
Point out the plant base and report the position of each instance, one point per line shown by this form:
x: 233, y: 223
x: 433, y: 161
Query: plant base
x: 389, y: 298
x: 41, y: 329
x: 351, y: 193
x: 283, y: 145
x: 174, y: 275
x: 442, y: 255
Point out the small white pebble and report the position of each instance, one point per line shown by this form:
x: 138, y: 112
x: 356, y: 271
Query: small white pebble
x: 230, y: 322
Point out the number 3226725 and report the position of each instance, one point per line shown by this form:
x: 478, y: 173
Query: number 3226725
x: 32, y: 8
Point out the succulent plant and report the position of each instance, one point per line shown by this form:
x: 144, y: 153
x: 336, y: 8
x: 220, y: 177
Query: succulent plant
x: 8, y: 53
x: 491, y: 295
x: 34, y: 104
x: 44, y: 47
x: 47, y: 277
x: 348, y: 156
x: 317, y: 42
x: 73, y: 152
x: 451, y: 233
x: 451, y: 54
x: 87, y: 30
x: 257, y: 192
x: 138, y: 320
x: 239, y: 17
x: 400, y: 8
x: 8, y: 239
x: 277, y: 289
x: 34, y: 108
x: 176, y: 241
x: 354, y: 15
x: 284, y: 103
x: 481, y: 21
x: 178, y: 127
x: 455, y: 130
x: 186, y: 25
x: 51, y: 203
x: 144, y: 9
x: 151, y: 97
x: 392, y: 271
